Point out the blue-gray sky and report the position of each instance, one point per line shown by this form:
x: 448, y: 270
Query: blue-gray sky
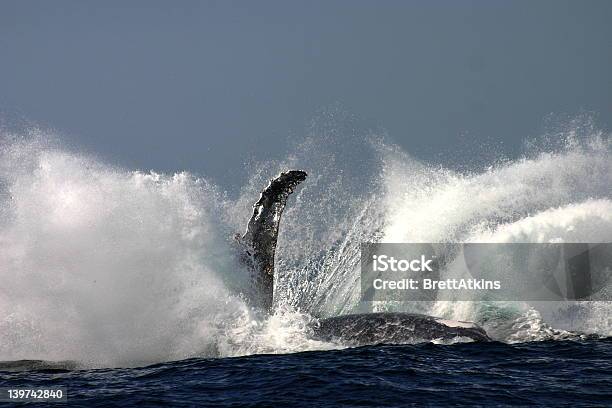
x: 206, y: 85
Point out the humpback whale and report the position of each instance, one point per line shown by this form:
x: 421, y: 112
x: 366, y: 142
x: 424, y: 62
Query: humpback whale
x: 260, y: 242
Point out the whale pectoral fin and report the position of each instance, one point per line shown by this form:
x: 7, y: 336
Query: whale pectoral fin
x: 262, y: 231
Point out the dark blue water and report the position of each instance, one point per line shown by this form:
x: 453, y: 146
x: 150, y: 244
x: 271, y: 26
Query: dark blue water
x: 554, y: 373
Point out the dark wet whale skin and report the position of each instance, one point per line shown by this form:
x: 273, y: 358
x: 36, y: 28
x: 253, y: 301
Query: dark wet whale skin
x: 392, y: 328
x: 262, y: 232
x: 260, y: 242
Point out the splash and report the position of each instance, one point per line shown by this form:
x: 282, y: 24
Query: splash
x: 112, y: 267
x: 556, y: 192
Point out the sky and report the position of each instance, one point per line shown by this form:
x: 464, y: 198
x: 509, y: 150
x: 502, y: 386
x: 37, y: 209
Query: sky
x: 206, y: 86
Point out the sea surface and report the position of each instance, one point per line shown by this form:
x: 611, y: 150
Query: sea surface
x: 547, y: 373
x: 114, y: 267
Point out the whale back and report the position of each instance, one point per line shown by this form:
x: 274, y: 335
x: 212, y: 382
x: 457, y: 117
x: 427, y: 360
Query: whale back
x: 262, y: 232
x: 393, y: 328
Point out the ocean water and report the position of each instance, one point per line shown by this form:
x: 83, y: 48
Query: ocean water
x: 548, y: 373
x: 114, y: 269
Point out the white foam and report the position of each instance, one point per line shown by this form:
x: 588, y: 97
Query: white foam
x: 120, y: 267
x: 456, y: 323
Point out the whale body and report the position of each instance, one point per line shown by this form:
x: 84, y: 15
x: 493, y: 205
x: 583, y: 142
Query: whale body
x: 260, y: 242
x: 393, y: 327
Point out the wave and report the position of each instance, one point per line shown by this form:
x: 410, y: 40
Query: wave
x: 108, y: 266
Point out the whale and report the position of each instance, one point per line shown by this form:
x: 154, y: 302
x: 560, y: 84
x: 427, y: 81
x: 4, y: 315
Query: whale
x: 259, y: 243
